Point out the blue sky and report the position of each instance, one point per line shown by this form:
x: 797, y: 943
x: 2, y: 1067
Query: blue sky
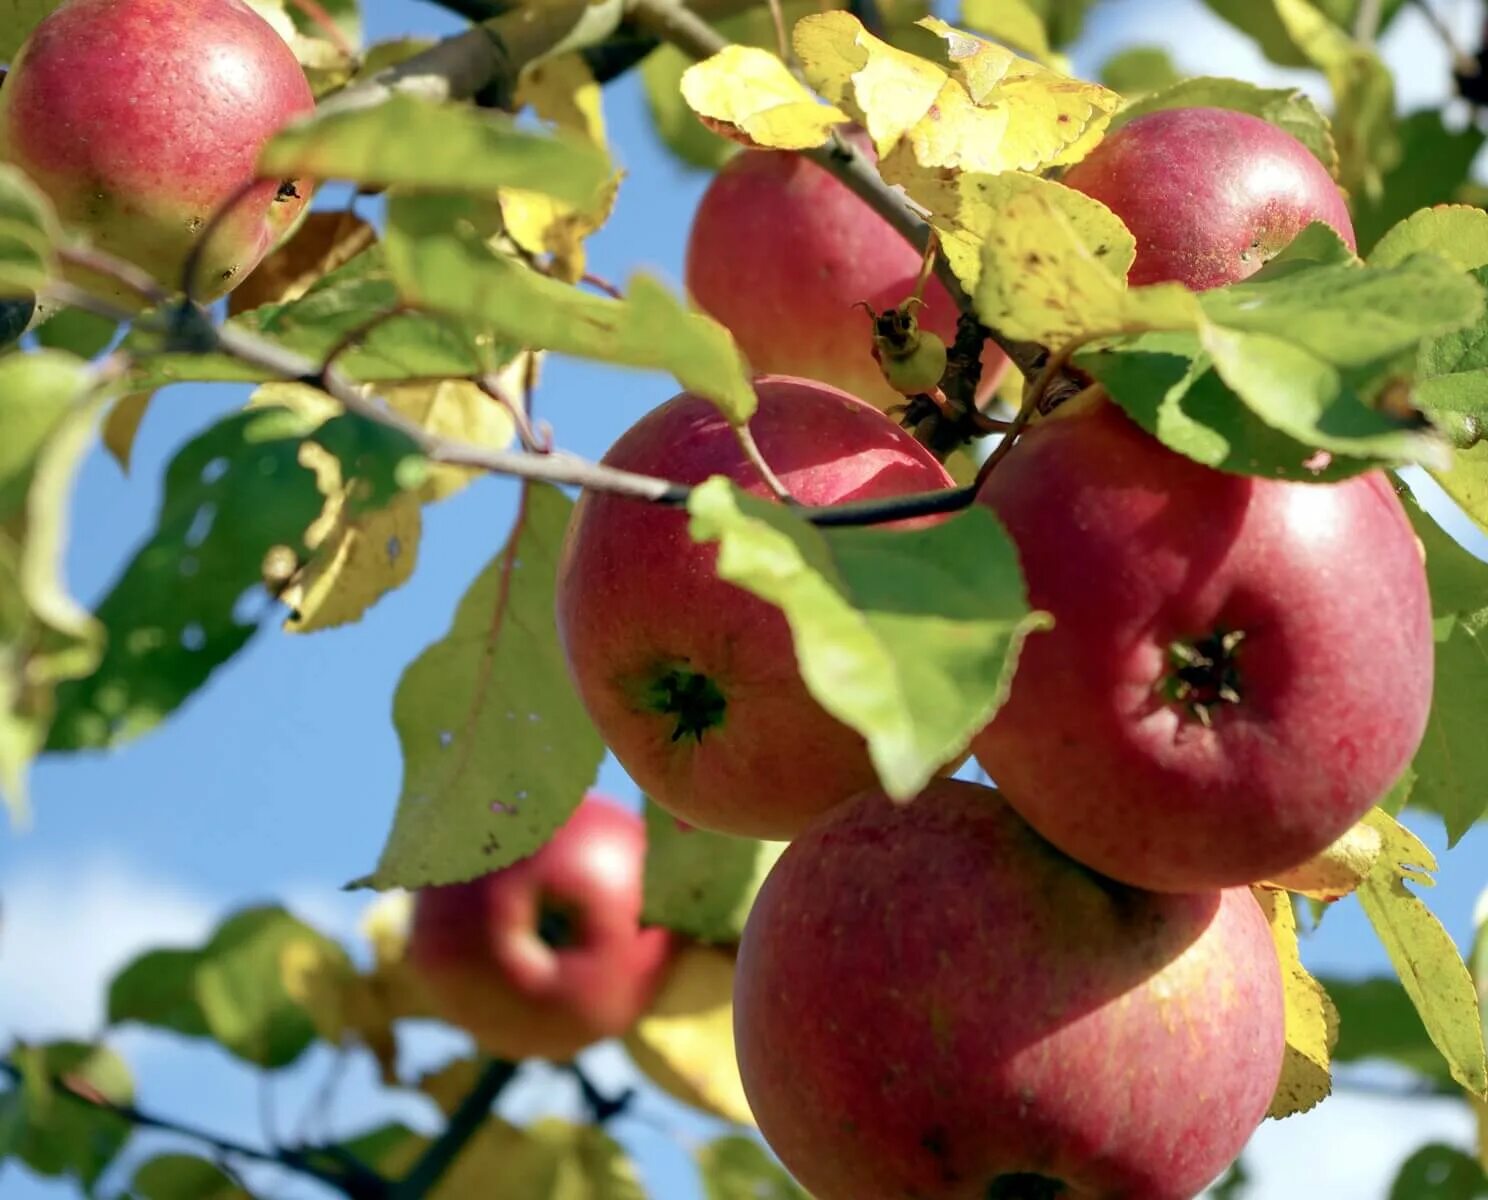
x: 279, y: 780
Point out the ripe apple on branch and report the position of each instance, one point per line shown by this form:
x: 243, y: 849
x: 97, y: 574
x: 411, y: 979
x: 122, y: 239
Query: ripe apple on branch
x: 1184, y: 613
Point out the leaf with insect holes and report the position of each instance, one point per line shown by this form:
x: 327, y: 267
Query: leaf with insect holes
x: 1287, y: 108
x: 442, y: 262
x: 748, y: 94
x: 684, y: 1042
x: 53, y: 1134
x: 909, y: 637
x: 1336, y: 871
x: 1311, y: 1019
x: 1425, y: 958
x: 1050, y: 275
x: 966, y: 210
x: 177, y: 611
x: 1451, y: 765
x: 497, y: 747
x: 448, y: 147
x: 980, y: 108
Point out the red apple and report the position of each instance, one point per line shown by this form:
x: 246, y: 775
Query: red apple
x: 933, y: 1002
x: 140, y: 118
x: 546, y: 956
x: 1209, y: 194
x: 1238, y: 669
x: 780, y: 252
x: 692, y: 681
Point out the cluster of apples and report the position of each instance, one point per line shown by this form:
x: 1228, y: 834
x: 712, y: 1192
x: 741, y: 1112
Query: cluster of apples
x: 142, y: 121
x: 1062, y: 987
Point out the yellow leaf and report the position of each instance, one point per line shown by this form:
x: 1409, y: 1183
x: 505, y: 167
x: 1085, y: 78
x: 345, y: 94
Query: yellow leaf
x: 457, y: 409
x: 749, y: 95
x: 986, y: 110
x: 1311, y: 1019
x: 1011, y: 22
x: 324, y: 241
x: 317, y: 976
x: 1338, y: 870
x: 685, y: 1042
x: 966, y: 210
x: 1424, y: 956
x: 1042, y: 281
x: 122, y: 423
x: 563, y: 92
x: 386, y: 924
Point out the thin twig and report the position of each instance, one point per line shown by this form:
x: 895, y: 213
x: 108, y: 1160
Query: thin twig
x: 360, y: 1183
x: 318, y: 15
x: 463, y: 1123
x: 1367, y: 21
x: 602, y: 1109
x: 782, y: 35
x: 1463, y: 63
x: 600, y: 284
x: 526, y: 434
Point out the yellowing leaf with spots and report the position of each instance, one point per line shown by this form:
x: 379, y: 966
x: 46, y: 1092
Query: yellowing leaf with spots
x: 685, y: 1042
x: 1043, y: 279
x: 1311, y: 1019
x: 984, y: 110
x: 1338, y: 870
x: 747, y: 94
x: 1423, y: 953
x: 967, y: 209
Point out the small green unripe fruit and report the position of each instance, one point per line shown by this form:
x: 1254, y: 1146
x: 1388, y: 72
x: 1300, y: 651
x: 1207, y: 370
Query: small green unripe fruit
x: 912, y: 359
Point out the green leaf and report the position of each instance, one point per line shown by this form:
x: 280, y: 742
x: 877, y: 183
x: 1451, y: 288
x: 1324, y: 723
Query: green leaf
x: 699, y: 883
x: 1258, y: 19
x: 909, y: 637
x: 1364, y: 124
x: 182, y: 1177
x: 1434, y: 163
x: 1439, y: 1172
x: 1351, y: 316
x: 82, y: 333
x: 1451, y: 766
x: 1424, y: 956
x: 1286, y: 108
x: 437, y: 147
x: 1138, y: 70
x: 17, y: 19
x: 1063, y: 19
x: 441, y: 262
x: 1167, y: 383
x: 739, y: 1168
x: 232, y: 494
x: 28, y: 231
x: 159, y: 989
x: 56, y: 1133
x: 1455, y: 232
x: 497, y: 747
x: 402, y: 346
x: 1376, y: 1020
x: 47, y: 407
x: 241, y: 988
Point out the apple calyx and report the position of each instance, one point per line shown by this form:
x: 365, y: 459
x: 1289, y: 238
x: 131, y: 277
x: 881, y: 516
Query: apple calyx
x: 913, y: 360
x: 1205, y: 673
x: 557, y: 925
x: 693, y: 698
x: 1026, y: 1185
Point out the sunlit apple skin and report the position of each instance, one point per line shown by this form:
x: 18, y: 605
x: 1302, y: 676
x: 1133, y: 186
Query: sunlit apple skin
x: 1210, y: 195
x: 141, y: 118
x: 1135, y: 549
x: 780, y: 252
x: 642, y: 613
x: 932, y: 1003
x: 546, y: 956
